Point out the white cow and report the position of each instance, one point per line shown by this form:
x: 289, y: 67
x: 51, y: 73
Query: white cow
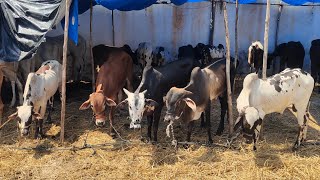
x: 217, y: 52
x: 291, y: 88
x: 39, y: 88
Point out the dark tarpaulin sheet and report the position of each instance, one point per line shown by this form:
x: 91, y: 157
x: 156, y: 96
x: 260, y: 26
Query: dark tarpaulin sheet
x: 23, y: 25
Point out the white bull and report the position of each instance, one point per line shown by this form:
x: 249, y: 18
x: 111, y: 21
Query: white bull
x: 291, y: 88
x: 39, y: 88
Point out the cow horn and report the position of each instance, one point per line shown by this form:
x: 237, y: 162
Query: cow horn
x: 144, y: 92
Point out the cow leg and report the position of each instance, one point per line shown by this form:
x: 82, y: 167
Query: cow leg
x: 189, y: 130
x: 202, y: 123
x: 111, y: 115
x: 208, y: 122
x: 303, y: 125
x: 156, y: 118
x: 20, y: 91
x: 40, y: 132
x: 36, y: 132
x: 224, y: 107
x: 50, y: 109
x: 13, y: 88
x: 1, y: 103
x: 150, y: 122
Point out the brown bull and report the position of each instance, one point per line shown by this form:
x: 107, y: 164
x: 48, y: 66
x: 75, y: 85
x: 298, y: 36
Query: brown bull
x: 114, y: 74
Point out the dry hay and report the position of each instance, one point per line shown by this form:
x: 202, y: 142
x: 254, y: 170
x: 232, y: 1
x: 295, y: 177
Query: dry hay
x: 273, y: 160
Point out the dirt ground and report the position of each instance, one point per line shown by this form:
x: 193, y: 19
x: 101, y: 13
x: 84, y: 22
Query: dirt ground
x: 26, y: 158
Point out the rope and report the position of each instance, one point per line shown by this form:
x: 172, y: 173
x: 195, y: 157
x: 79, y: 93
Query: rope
x: 5, y: 123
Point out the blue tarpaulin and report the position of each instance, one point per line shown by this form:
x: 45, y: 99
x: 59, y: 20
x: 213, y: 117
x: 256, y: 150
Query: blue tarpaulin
x: 73, y: 21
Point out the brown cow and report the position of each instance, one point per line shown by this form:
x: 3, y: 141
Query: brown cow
x: 114, y: 74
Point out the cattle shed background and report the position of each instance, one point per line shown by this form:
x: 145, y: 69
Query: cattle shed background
x: 173, y: 26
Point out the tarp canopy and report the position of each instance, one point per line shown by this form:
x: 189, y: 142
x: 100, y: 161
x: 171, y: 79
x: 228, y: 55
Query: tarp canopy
x: 23, y: 25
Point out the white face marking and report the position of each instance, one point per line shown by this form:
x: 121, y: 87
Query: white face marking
x: 136, y: 103
x: 24, y: 113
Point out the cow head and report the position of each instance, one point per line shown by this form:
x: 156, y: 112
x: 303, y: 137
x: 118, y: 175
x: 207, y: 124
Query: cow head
x: 138, y: 106
x: 98, y: 103
x: 24, y: 114
x: 176, y: 100
x: 250, y: 122
x: 255, y: 47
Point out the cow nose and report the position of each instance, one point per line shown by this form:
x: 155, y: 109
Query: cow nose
x: 248, y: 141
x: 137, y: 121
x: 24, y: 132
x: 100, y: 123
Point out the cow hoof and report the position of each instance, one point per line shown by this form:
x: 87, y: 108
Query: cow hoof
x: 219, y: 132
x: 186, y: 146
x: 145, y: 140
x: 113, y: 135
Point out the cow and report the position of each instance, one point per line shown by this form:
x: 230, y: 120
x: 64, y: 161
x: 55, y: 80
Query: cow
x: 160, y: 57
x: 147, y: 100
x: 114, y: 74
x: 102, y: 52
x: 208, y: 54
x: 291, y: 88
x: 315, y: 60
x: 217, y: 52
x: 255, y: 57
x: 144, y: 54
x: 188, y: 103
x: 291, y: 54
x: 39, y: 88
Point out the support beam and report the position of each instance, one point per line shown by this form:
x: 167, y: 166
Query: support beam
x: 230, y: 114
x: 266, y: 41
x: 64, y: 70
x: 212, y: 21
x: 91, y: 53
x: 113, y: 33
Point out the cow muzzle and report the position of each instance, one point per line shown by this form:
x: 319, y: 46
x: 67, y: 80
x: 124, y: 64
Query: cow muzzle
x: 135, y: 124
x: 24, y: 132
x: 100, y: 122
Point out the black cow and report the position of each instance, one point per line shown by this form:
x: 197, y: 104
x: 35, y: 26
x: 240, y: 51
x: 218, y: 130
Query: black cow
x: 255, y: 56
x: 147, y: 100
x: 188, y: 103
x: 291, y: 53
x: 315, y: 60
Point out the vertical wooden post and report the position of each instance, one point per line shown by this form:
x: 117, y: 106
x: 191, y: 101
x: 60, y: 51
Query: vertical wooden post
x: 113, y: 33
x: 212, y: 20
x: 91, y: 53
x: 236, y: 42
x: 64, y: 70
x: 230, y: 114
x: 236, y: 34
x: 266, y: 41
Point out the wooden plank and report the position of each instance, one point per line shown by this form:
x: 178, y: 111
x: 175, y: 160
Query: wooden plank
x: 230, y: 114
x: 91, y: 53
x: 64, y: 70
x: 266, y: 41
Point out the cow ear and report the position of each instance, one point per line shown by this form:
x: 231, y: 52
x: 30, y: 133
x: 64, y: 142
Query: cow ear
x: 190, y: 103
x: 238, y: 122
x: 36, y: 115
x: 110, y: 102
x: 13, y: 116
x: 150, y: 106
x: 85, y: 105
x: 164, y: 99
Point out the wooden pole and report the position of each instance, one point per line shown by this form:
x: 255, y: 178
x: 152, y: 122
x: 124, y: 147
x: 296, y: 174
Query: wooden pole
x: 91, y: 53
x: 64, y: 70
x: 230, y: 116
x: 113, y: 33
x: 212, y: 21
x: 236, y: 42
x: 266, y: 41
x: 236, y: 34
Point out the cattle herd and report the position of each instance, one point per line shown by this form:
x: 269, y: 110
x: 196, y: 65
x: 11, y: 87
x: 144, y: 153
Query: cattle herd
x: 152, y: 78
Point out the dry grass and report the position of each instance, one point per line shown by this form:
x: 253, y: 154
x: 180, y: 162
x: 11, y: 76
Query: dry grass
x: 273, y: 160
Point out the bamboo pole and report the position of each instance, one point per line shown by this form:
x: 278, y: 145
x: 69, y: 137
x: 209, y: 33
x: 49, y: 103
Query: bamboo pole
x: 230, y: 116
x: 236, y: 34
x: 91, y: 53
x: 236, y: 42
x: 212, y: 21
x: 113, y: 33
x: 266, y: 41
x: 64, y: 70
